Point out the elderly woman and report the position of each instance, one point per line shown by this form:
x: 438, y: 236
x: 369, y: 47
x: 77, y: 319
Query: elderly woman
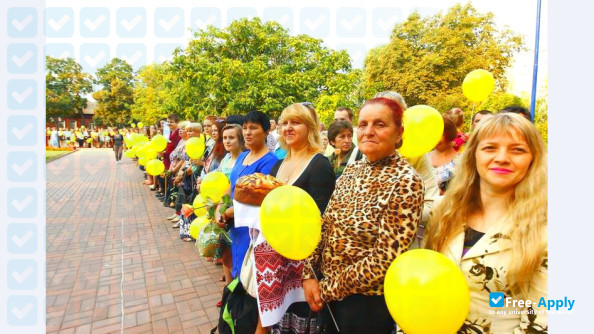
x: 492, y: 223
x: 371, y: 219
x: 177, y: 161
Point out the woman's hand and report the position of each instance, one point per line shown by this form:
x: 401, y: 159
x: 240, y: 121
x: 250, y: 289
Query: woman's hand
x: 311, y: 287
x: 198, y: 162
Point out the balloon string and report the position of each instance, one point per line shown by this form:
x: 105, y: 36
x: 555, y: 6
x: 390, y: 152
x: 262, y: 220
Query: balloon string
x: 327, y: 304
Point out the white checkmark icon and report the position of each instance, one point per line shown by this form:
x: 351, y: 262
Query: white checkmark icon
x: 167, y: 25
x: 93, y: 25
x: 21, y: 241
x: 93, y: 169
x: 20, y: 206
x: 21, y: 133
x: 284, y: 19
x: 64, y: 54
x: 93, y: 61
x: 22, y: 312
x: 22, y: 168
x: 385, y: 25
x: 20, y: 61
x: 495, y: 301
x: 202, y: 24
x: 313, y: 25
x: 351, y: 24
x: 132, y: 60
x: 129, y: 25
x: 20, y: 25
x: 20, y: 97
x: 22, y: 276
x: 60, y: 23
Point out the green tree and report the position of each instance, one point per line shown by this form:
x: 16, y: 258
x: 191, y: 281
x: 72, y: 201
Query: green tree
x: 427, y: 59
x: 151, y: 93
x: 66, y: 84
x: 254, y: 65
x: 115, y: 99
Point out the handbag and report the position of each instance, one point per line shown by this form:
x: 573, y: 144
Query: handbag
x: 322, y: 324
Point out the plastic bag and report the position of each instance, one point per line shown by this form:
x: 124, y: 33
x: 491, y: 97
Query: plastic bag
x: 208, y: 240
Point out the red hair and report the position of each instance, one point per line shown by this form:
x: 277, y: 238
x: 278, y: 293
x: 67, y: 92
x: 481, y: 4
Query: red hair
x: 394, y: 107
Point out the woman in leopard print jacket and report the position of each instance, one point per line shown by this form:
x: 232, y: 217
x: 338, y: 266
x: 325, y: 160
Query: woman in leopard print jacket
x: 372, y: 217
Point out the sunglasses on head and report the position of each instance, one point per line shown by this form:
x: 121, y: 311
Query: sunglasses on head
x: 307, y: 104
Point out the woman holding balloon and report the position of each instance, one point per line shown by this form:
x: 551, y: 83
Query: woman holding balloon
x: 370, y: 220
x: 492, y: 223
x: 305, y: 167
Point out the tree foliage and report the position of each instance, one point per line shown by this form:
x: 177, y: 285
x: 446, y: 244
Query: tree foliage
x: 255, y: 65
x: 427, y: 59
x: 151, y: 93
x: 115, y: 99
x: 66, y: 84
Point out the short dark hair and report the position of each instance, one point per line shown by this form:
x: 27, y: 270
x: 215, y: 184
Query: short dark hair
x: 236, y: 119
x: 348, y: 110
x: 482, y: 112
x: 173, y: 117
x: 450, y: 132
x: 517, y: 110
x: 256, y: 116
x: 336, y: 128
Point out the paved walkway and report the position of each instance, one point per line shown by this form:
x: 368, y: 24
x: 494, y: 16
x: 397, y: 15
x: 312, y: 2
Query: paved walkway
x: 114, y: 264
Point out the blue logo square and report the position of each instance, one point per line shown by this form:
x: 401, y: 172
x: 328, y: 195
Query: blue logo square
x: 384, y: 19
x: 21, y: 274
x: 203, y: 17
x: 21, y: 310
x: 22, y: 94
x: 21, y: 130
x: 59, y: 50
x: 22, y: 22
x: 21, y: 238
x: 94, y: 22
x: 21, y: 166
x: 22, y: 58
x: 94, y: 56
x: 169, y: 22
x: 236, y: 13
x: 281, y: 15
x: 164, y: 52
x: 133, y: 54
x: 59, y: 22
x: 351, y: 22
x: 496, y: 299
x: 21, y: 203
x: 131, y: 22
x: 315, y: 21
x: 356, y: 51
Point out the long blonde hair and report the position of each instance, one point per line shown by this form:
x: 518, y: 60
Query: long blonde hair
x: 527, y: 214
x: 309, y: 117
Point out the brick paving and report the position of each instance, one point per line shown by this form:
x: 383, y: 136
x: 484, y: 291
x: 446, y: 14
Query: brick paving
x: 114, y: 264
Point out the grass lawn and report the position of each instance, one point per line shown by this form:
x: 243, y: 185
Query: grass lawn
x: 53, y: 155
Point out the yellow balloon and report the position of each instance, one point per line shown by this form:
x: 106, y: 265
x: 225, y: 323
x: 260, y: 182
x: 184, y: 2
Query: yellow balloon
x: 423, y: 128
x: 142, y: 161
x: 133, y: 125
x: 426, y: 293
x: 159, y: 143
x: 477, y: 85
x: 141, y: 150
x: 155, y: 167
x: 213, y: 186
x: 291, y: 222
x: 195, y: 147
x: 130, y: 154
x: 197, y: 225
x: 140, y: 124
x: 199, y: 206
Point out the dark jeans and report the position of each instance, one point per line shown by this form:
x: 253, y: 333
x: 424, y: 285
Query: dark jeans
x: 118, y: 152
x: 361, y: 314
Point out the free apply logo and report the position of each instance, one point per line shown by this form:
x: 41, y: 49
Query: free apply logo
x: 498, y: 299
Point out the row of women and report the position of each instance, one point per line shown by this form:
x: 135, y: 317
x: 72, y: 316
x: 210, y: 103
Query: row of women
x: 491, y: 221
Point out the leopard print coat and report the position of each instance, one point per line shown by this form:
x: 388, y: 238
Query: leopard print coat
x: 372, y: 217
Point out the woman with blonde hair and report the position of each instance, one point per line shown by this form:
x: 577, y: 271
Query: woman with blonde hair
x: 492, y: 222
